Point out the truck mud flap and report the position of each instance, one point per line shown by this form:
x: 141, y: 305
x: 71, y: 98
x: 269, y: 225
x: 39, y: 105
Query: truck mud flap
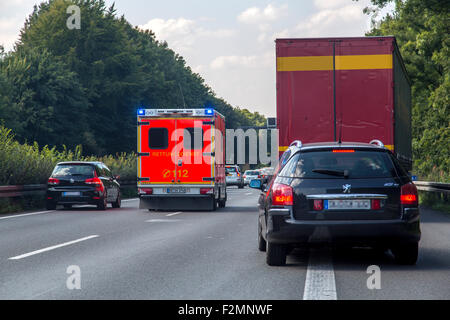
x: 176, y: 203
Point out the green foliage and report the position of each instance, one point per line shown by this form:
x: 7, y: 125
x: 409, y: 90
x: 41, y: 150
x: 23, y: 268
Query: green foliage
x: 28, y: 164
x: 83, y: 86
x: 421, y: 29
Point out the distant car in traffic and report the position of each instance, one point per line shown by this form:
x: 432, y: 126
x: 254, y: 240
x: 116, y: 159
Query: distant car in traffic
x: 234, y: 176
x: 266, y: 174
x: 80, y: 182
x: 343, y: 193
x: 250, y: 175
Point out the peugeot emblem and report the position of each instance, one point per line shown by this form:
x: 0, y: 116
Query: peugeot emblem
x: 346, y: 188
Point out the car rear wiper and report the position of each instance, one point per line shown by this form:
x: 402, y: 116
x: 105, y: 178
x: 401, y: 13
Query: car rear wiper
x: 338, y: 173
x: 77, y: 174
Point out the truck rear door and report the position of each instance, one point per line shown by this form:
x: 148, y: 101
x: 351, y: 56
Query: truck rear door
x: 155, y: 147
x: 195, y: 157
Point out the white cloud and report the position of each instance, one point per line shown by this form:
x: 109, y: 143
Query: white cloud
x: 252, y: 61
x: 181, y: 34
x: 340, y: 21
x: 9, y: 31
x: 256, y: 15
x: 330, y: 4
x: 338, y: 18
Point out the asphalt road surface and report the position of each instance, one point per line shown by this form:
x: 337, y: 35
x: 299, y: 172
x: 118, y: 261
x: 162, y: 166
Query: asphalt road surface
x: 129, y: 253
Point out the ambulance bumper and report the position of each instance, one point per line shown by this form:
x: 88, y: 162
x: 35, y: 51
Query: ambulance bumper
x: 176, y: 202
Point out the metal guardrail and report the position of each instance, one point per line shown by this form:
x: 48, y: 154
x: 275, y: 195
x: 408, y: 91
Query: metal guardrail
x: 433, y: 186
x: 36, y: 189
x: 32, y: 189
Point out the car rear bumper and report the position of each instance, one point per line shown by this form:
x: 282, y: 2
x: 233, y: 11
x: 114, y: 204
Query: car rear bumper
x: 281, y: 228
x: 85, y: 197
x: 235, y: 183
x: 176, y: 202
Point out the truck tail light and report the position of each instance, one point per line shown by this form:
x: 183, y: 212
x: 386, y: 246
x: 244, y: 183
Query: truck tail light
x: 53, y: 181
x: 206, y: 190
x: 318, y: 205
x: 145, y: 190
x: 282, y: 195
x: 97, y: 183
x: 409, y: 194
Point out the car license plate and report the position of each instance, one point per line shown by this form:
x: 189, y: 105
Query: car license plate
x: 177, y: 190
x: 71, y: 194
x: 347, y: 204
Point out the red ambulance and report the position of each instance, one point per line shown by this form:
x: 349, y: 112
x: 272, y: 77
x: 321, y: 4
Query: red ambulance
x: 181, y: 159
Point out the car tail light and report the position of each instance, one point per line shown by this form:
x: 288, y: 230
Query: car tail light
x: 282, y: 195
x: 318, y: 205
x: 145, y: 190
x: 97, y: 183
x: 53, y: 181
x: 206, y: 190
x: 409, y: 194
x: 238, y: 174
x: 376, y: 204
x: 343, y: 151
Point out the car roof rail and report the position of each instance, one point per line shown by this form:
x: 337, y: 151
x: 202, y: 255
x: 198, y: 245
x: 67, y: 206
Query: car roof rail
x: 296, y: 143
x: 377, y: 142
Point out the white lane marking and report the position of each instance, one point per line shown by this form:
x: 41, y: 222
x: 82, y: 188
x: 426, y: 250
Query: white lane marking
x: 162, y: 220
x: 320, y: 283
x: 26, y: 214
x: 52, y: 247
x: 247, y: 194
x: 173, y: 214
x: 134, y: 199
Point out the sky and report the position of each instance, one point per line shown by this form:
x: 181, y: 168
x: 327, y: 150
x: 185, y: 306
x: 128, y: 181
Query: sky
x: 230, y: 43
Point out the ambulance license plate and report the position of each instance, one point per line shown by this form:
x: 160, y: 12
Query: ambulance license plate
x: 177, y: 190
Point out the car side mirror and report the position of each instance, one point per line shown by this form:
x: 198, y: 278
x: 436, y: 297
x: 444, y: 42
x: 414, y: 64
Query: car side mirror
x: 256, y: 184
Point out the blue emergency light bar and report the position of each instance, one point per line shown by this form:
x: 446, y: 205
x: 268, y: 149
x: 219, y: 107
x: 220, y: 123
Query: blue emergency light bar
x: 209, y: 112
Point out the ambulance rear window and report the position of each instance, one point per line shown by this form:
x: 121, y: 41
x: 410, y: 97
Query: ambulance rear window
x: 158, y: 138
x: 193, y: 138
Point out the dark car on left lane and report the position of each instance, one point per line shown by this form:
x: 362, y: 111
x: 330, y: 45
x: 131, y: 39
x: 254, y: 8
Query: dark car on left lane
x: 81, y: 182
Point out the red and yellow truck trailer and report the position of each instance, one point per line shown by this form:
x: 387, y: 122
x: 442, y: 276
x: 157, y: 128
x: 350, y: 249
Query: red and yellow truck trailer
x: 353, y: 88
x: 181, y: 159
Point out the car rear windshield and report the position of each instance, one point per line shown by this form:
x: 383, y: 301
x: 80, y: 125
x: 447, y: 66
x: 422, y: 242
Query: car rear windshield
x: 337, y: 165
x: 230, y: 169
x: 251, y: 173
x: 64, y: 170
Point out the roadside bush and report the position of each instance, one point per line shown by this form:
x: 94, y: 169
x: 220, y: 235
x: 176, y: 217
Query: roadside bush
x: 28, y: 164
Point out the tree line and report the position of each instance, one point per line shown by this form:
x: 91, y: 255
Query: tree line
x: 62, y: 86
x: 422, y: 29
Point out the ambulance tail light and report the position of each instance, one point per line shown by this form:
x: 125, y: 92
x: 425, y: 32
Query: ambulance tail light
x: 96, y: 182
x: 206, y: 190
x: 145, y: 190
